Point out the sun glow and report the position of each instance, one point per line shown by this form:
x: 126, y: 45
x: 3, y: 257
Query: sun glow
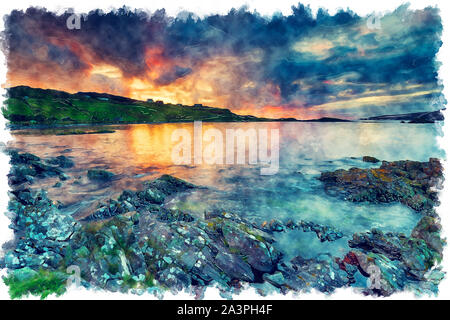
x: 107, y: 71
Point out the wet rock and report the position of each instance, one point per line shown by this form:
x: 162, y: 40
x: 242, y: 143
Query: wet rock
x: 274, y: 225
x: 61, y: 161
x: 382, y: 276
x: 63, y: 177
x: 265, y: 288
x: 154, y: 196
x: 429, y: 229
x: 21, y: 173
x: 174, y: 278
x: 149, y: 199
x: 208, y: 250
x: 260, y: 255
x: 277, y: 279
x: 412, y: 183
x: 370, y: 159
x: 235, y: 267
x: 167, y: 185
x: 109, y: 252
x: 99, y: 175
x: 301, y: 274
x: 416, y: 256
x: 11, y: 260
x: 385, y: 276
x: 173, y: 247
x: 108, y: 210
x: 376, y: 241
x: 44, y: 170
x: 431, y: 284
x: 25, y: 167
x: 22, y: 158
x: 324, y: 233
x: 41, y: 231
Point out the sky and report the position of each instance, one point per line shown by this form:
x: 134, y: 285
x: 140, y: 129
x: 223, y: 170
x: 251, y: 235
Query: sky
x: 303, y: 65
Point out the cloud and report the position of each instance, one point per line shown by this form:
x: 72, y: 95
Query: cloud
x: 333, y: 64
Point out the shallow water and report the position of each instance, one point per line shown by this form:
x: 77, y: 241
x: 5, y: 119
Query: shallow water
x: 136, y: 153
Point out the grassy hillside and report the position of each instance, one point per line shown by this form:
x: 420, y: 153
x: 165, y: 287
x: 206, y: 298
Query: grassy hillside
x: 27, y: 106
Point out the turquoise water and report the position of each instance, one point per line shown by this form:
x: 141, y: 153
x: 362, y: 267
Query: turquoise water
x: 136, y: 153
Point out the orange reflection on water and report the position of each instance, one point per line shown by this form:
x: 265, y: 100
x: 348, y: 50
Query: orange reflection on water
x: 151, y: 145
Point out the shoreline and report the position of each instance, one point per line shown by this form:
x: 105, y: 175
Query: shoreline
x: 14, y: 127
x: 149, y: 247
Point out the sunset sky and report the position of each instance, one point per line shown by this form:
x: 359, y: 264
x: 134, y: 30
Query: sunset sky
x: 304, y: 65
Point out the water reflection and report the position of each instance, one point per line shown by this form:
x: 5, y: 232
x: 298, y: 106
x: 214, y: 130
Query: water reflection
x: 136, y: 153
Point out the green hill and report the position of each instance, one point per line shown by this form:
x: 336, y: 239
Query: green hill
x: 27, y: 106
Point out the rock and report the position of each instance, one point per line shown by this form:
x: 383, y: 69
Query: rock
x: 260, y: 255
x: 222, y: 248
x: 19, y: 173
x: 409, y: 182
x: 174, y: 278
x: 26, y: 167
x: 167, y: 185
x: 415, y: 255
x: 377, y: 242
x: 134, y: 243
x: 320, y: 273
x: 24, y: 274
x: 43, y: 170
x: 275, y: 225
x: 174, y: 247
x: 82, y: 252
x: 61, y: 161
x: 154, y: 196
x: 370, y: 159
x: 11, y: 261
x: 324, y: 233
x: 149, y: 199
x: 382, y: 275
x: 99, y: 175
x: 42, y: 231
x: 22, y: 158
x: 428, y: 229
x: 64, y: 177
x: 234, y: 267
x: 277, y: 279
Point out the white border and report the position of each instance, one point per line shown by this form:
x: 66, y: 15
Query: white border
x: 264, y: 7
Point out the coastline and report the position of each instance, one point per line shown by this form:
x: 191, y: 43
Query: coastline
x: 220, y: 249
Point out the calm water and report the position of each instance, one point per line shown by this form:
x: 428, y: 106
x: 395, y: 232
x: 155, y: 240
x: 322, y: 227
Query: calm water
x: 137, y: 153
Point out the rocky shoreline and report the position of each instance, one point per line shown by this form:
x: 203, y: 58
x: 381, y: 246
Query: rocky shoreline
x: 413, y: 183
x: 135, y: 243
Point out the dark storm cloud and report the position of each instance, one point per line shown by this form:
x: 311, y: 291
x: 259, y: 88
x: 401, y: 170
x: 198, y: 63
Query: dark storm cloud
x: 172, y: 75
